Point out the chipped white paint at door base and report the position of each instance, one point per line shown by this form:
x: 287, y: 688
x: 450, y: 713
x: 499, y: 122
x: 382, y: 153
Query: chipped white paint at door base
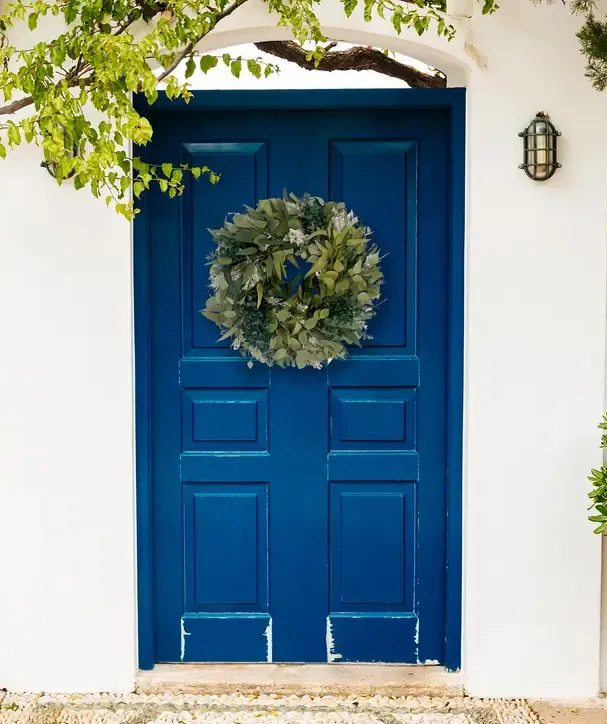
x: 184, y: 633
x: 331, y: 655
x: 268, y: 635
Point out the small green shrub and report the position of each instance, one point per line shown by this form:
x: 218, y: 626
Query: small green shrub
x: 598, y: 494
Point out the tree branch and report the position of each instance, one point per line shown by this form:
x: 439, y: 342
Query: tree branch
x: 190, y: 46
x: 28, y: 100
x: 74, y: 75
x: 358, y: 58
x: 16, y: 106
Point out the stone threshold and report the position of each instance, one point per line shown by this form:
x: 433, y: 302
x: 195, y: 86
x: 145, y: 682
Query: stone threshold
x: 394, y: 680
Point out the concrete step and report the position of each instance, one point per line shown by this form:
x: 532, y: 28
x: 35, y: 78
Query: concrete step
x: 313, y: 679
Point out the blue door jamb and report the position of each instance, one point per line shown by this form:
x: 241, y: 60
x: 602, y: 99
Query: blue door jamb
x: 452, y: 100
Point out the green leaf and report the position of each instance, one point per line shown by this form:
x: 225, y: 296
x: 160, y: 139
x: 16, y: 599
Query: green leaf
x: 350, y: 6
x: 28, y: 131
x: 277, y: 264
x: 167, y: 169
x: 342, y: 286
x: 317, y: 266
x: 71, y: 12
x: 190, y: 67
x: 207, y: 62
x: 32, y: 21
x: 59, y: 52
x: 302, y: 358
x: 236, y: 67
x: 254, y: 67
x: 319, y: 232
x: 14, y: 135
x: 242, y: 221
x: 226, y: 334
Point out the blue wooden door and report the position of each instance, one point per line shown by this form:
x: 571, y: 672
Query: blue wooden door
x: 299, y: 515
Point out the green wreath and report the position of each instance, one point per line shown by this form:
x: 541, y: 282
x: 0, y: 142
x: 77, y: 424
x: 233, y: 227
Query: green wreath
x: 294, y: 281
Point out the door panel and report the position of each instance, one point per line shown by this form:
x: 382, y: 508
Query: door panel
x: 244, y: 181
x: 357, y: 171
x: 299, y: 515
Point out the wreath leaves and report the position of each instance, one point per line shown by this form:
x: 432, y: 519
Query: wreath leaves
x: 302, y: 321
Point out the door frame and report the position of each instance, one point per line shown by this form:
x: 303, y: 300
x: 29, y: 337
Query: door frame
x: 451, y: 100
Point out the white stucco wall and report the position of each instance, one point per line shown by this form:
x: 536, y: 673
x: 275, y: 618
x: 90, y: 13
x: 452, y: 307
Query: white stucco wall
x: 536, y: 301
x: 67, y: 607
x: 535, y: 375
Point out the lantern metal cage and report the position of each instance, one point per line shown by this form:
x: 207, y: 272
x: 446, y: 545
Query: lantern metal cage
x: 540, y: 148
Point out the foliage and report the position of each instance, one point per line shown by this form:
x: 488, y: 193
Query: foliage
x: 76, y: 86
x: 592, y: 37
x: 598, y: 494
x: 593, y: 41
x: 71, y: 92
x: 281, y: 313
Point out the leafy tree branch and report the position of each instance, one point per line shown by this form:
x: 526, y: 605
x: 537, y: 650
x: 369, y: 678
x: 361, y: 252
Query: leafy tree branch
x: 358, y: 58
x: 72, y: 94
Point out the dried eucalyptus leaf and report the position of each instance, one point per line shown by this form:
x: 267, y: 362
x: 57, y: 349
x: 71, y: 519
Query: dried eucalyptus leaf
x: 275, y: 317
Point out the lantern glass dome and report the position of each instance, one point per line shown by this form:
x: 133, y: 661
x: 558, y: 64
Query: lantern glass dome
x: 540, y: 148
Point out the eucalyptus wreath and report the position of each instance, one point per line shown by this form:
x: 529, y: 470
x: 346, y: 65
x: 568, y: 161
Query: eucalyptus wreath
x: 294, y: 281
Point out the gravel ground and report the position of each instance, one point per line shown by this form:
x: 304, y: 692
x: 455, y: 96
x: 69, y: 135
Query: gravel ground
x: 558, y: 713
x: 261, y: 709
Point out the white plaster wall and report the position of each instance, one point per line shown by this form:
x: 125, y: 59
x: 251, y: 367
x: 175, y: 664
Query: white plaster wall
x: 535, y: 363
x: 534, y: 382
x: 67, y: 604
